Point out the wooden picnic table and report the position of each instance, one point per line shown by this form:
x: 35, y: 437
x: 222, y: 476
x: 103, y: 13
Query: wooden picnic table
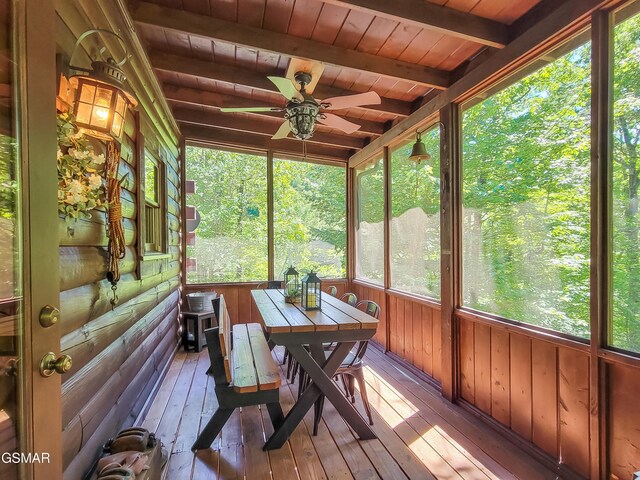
x: 304, y: 333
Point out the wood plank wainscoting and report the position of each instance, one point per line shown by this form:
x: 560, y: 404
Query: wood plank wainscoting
x: 537, y: 387
x: 119, y: 355
x: 237, y: 296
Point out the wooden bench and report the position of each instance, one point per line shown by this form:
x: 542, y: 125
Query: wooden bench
x: 244, y: 371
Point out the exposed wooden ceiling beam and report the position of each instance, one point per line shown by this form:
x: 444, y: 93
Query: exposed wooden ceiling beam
x: 202, y: 98
x: 558, y: 24
x: 247, y: 140
x: 282, y: 44
x: 260, y: 126
x: 445, y: 20
x: 258, y: 80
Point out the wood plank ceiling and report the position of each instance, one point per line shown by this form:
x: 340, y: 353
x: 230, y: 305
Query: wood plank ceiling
x: 210, y: 54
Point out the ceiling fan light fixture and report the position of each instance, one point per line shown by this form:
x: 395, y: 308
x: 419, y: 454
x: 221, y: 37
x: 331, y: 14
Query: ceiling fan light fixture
x: 302, y: 119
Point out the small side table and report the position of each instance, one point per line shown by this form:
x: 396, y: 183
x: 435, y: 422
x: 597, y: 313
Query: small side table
x: 198, y: 320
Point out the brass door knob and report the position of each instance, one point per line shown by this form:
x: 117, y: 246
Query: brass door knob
x: 50, y: 364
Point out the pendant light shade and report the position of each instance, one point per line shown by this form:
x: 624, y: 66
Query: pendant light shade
x: 419, y: 151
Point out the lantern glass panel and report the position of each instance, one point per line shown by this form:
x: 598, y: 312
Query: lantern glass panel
x: 84, y: 113
x: 311, y: 292
x: 121, y: 104
x: 116, y: 128
x: 99, y: 117
x: 87, y: 93
x: 103, y: 97
x: 291, y: 283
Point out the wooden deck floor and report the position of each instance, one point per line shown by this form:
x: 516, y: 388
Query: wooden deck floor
x: 420, y: 436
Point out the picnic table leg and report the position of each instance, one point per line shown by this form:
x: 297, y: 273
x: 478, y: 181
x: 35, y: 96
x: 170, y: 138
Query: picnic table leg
x: 275, y: 413
x: 329, y: 389
x: 211, y: 431
x: 309, y: 396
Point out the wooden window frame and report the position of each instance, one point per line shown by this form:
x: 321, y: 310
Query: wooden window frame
x: 145, y: 255
x: 270, y: 155
x: 381, y: 156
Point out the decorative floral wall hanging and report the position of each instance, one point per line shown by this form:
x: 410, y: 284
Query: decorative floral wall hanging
x: 80, y: 180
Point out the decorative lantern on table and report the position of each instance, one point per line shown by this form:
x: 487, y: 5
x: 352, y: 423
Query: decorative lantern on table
x: 291, y: 285
x: 311, y: 291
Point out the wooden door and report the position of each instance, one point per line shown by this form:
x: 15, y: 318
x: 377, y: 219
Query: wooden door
x: 30, y: 405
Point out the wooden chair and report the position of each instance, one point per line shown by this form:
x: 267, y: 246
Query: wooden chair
x: 350, y: 298
x: 244, y: 371
x: 332, y: 290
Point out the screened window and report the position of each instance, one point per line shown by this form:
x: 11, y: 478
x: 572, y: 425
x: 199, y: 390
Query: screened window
x: 625, y: 331
x: 370, y: 222
x: 230, y: 242
x: 309, y: 218
x: 415, y: 218
x: 526, y: 170
x: 154, y: 223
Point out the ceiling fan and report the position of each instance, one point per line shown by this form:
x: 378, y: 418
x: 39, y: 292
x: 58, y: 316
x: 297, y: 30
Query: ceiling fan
x: 302, y: 111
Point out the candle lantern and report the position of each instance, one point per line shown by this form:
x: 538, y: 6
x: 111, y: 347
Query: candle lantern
x: 311, y: 291
x: 291, y: 285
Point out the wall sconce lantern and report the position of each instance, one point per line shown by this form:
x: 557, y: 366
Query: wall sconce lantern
x: 101, y: 101
x: 291, y: 285
x: 311, y: 291
x: 419, y: 151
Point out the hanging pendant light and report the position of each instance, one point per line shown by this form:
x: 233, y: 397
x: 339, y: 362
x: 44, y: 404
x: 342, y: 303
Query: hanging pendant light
x: 419, y: 151
x: 101, y: 100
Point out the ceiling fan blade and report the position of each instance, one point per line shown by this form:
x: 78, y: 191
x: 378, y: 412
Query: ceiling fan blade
x: 283, y: 131
x: 287, y: 88
x: 349, y: 101
x: 251, y: 109
x: 334, y: 121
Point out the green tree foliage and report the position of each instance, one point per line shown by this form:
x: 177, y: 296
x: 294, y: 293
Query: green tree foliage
x: 625, y: 331
x: 231, y: 197
x: 310, y: 218
x: 526, y: 205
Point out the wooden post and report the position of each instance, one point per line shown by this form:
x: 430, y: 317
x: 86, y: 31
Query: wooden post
x: 270, y: 240
x: 182, y: 159
x: 449, y: 246
x: 386, y: 160
x: 601, y: 232
x: 349, y: 185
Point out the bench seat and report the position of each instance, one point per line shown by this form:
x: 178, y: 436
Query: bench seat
x: 244, y: 371
x: 253, y: 366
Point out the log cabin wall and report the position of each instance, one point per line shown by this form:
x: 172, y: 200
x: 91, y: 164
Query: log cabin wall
x: 120, y: 354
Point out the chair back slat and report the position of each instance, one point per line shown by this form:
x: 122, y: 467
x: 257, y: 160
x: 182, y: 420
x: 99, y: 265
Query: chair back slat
x: 370, y: 308
x: 350, y: 298
x: 332, y: 290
